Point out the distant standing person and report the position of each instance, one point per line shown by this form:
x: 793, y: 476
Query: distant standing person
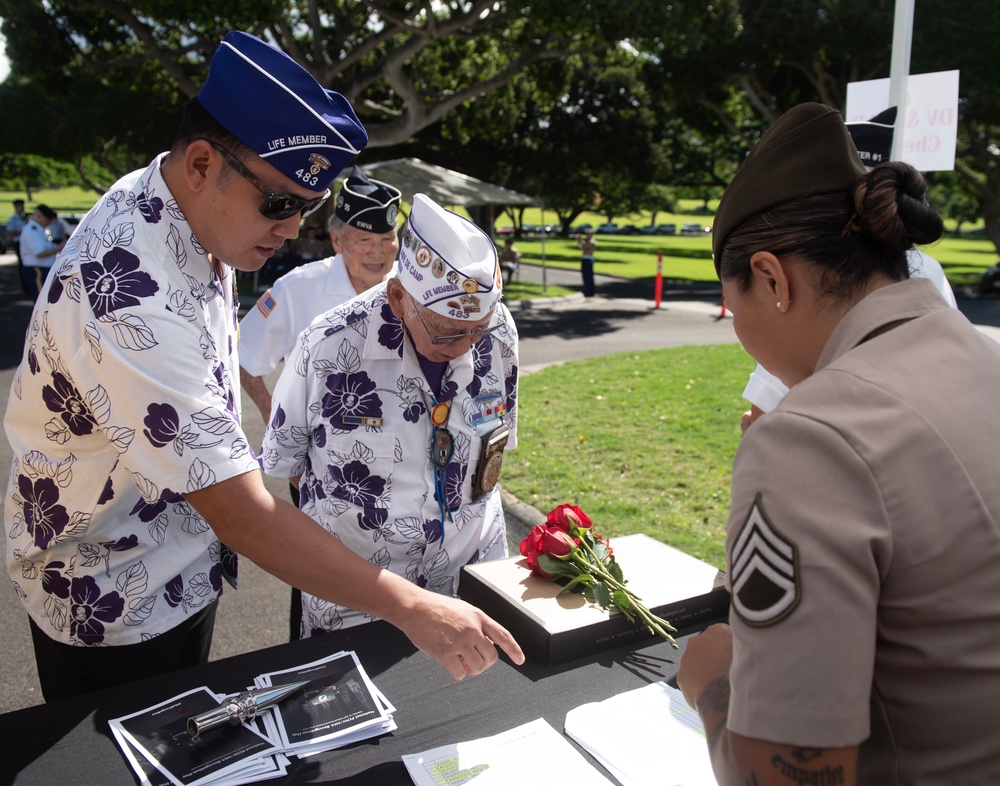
x: 510, y: 258
x: 15, y: 224
x: 38, y: 250
x: 587, y: 246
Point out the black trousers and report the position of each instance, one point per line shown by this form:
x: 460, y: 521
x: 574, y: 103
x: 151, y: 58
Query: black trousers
x: 24, y: 274
x: 587, y: 272
x: 295, y: 609
x: 35, y: 279
x: 65, y: 671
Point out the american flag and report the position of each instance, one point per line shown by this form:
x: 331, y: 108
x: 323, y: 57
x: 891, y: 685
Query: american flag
x: 265, y: 303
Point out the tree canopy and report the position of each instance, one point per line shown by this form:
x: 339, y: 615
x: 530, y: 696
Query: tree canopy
x: 589, y: 104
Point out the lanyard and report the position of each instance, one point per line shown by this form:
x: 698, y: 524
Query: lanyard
x: 442, y: 451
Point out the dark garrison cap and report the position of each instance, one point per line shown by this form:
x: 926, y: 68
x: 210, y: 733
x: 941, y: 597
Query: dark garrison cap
x: 807, y: 151
x: 277, y: 109
x: 873, y: 138
x: 368, y: 204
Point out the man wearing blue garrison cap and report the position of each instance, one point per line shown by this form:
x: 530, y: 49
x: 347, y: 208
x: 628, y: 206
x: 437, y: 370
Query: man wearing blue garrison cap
x: 133, y: 486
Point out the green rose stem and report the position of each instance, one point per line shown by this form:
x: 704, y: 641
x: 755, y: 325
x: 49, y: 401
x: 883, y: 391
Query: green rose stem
x: 654, y: 624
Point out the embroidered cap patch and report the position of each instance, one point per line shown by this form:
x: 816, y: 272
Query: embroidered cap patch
x: 764, y: 571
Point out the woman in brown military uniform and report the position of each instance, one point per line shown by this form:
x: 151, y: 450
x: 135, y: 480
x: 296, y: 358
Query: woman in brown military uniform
x: 863, y: 547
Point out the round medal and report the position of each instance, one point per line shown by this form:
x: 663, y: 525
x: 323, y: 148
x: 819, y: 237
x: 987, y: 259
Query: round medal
x: 439, y: 414
x: 491, y: 472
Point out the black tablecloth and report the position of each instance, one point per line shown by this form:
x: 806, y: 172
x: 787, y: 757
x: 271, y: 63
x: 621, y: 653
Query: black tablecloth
x: 70, y: 742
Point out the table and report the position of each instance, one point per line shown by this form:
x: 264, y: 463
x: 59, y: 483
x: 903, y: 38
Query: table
x: 69, y: 741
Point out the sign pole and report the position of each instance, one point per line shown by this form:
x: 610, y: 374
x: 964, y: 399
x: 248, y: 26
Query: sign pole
x: 902, y: 38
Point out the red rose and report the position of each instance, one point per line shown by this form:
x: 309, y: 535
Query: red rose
x: 590, y: 568
x: 533, y: 542
x: 566, y: 516
x: 557, y: 543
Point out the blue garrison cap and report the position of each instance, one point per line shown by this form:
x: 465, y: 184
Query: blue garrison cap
x: 277, y: 109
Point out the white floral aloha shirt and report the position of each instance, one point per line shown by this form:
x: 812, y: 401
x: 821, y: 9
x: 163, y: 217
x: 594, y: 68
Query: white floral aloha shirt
x: 373, y: 485
x: 126, y: 399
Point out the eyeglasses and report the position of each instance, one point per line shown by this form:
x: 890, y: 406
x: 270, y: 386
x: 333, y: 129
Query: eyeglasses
x: 475, y: 335
x: 276, y: 206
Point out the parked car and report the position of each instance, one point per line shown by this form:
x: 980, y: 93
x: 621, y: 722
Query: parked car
x: 580, y: 229
x: 607, y: 229
x: 666, y: 229
x: 692, y: 229
x: 506, y: 231
x: 990, y: 282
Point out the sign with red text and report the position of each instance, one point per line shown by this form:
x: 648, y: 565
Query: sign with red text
x: 929, y: 117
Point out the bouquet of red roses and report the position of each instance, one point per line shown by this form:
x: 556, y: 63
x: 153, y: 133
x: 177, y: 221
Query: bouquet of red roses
x: 566, y: 549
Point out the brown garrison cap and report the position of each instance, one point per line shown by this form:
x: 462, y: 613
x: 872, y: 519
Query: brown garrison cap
x: 807, y: 151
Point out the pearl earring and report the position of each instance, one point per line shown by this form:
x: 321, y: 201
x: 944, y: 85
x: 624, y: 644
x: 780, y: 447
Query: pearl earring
x: 778, y: 304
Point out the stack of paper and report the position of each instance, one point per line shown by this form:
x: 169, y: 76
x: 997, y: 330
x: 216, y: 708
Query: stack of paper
x: 159, y: 749
x: 338, y: 706
x: 645, y: 736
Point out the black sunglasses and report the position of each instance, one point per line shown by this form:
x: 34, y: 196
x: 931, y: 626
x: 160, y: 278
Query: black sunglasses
x: 276, y: 206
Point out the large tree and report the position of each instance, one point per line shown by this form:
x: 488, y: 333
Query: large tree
x: 783, y: 52
x: 92, y: 75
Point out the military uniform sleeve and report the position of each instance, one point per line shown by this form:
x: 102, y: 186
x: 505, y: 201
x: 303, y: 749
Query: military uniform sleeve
x: 808, y: 539
x: 266, y: 331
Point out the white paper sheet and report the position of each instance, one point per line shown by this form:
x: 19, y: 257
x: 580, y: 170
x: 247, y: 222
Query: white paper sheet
x: 645, y: 737
x: 532, y: 753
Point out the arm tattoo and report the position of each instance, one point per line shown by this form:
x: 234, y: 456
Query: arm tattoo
x: 715, y: 697
x: 821, y: 776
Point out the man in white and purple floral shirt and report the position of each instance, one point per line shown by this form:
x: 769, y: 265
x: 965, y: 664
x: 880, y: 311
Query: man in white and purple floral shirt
x: 373, y: 384
x: 130, y: 467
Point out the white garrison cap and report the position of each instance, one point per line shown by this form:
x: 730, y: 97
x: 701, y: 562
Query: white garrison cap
x: 447, y: 263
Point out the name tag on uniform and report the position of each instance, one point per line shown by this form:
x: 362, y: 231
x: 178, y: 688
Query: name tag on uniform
x: 356, y: 420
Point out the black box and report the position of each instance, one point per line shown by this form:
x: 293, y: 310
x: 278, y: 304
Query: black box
x: 558, y: 628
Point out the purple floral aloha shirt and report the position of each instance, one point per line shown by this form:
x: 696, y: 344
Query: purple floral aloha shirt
x: 351, y: 415
x: 126, y: 399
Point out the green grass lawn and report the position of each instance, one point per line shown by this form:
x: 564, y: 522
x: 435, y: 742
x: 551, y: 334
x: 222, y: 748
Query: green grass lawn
x: 630, y: 256
x: 516, y: 291
x: 63, y: 200
x: 642, y: 442
x: 690, y: 258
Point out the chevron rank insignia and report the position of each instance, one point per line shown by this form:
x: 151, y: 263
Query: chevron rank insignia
x: 764, y: 571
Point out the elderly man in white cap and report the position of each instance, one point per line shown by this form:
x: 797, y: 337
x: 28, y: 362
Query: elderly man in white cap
x: 394, y: 411
x: 365, y: 243
x: 133, y: 486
